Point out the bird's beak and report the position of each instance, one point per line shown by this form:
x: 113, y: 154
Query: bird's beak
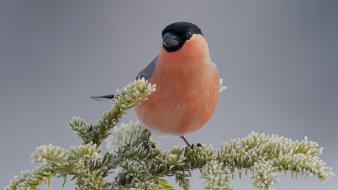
x: 170, y: 40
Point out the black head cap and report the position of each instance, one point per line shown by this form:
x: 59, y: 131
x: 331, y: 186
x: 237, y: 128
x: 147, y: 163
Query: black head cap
x: 175, y: 35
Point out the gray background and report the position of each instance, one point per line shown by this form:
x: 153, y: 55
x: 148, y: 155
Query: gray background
x: 278, y: 58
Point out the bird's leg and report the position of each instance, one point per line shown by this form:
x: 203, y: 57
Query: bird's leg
x: 186, y: 142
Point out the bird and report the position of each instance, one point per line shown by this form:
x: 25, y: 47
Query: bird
x: 187, y: 83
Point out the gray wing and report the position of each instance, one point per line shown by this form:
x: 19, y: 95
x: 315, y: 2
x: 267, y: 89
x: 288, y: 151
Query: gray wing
x: 147, y: 72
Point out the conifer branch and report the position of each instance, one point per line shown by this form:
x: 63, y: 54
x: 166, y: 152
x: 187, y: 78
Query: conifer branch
x: 130, y: 96
x: 137, y: 162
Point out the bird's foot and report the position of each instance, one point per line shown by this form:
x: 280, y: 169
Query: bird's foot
x: 195, y: 146
x: 186, y: 141
x: 190, y: 145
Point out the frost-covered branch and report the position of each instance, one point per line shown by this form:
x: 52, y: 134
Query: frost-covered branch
x: 130, y: 96
x: 135, y: 161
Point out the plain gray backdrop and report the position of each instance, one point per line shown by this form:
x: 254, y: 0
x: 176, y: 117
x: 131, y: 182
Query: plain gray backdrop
x: 279, y: 60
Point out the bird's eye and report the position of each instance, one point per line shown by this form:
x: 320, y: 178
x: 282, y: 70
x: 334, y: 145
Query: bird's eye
x: 188, y: 35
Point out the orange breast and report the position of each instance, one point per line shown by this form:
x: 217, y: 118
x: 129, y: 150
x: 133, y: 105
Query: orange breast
x: 186, y: 94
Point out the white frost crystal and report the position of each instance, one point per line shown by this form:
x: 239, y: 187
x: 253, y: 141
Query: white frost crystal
x: 264, y: 176
x: 124, y: 134
x: 49, y: 153
x: 216, y: 176
x: 134, y: 93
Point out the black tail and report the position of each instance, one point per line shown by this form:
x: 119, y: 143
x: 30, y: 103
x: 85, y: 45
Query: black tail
x: 106, y: 97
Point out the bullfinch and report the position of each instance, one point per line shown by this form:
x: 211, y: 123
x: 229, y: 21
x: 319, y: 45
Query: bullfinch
x: 187, y: 83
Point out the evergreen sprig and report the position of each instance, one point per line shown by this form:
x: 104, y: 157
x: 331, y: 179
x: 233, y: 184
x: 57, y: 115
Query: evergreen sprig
x: 130, y: 96
x: 135, y: 161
